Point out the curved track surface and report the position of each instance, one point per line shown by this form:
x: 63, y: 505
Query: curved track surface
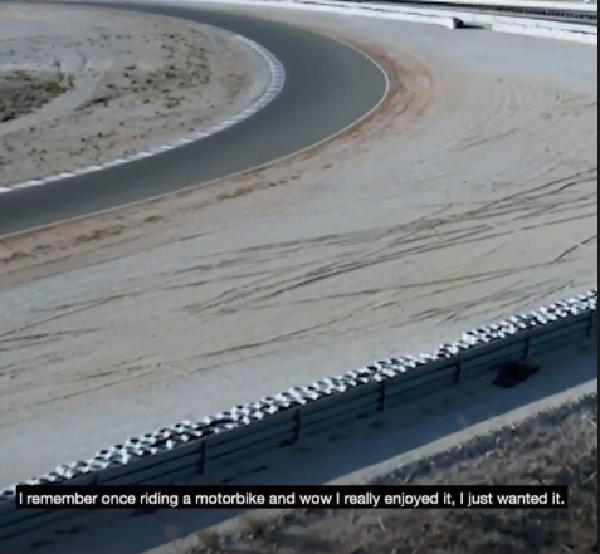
x: 321, y: 96
x: 471, y: 194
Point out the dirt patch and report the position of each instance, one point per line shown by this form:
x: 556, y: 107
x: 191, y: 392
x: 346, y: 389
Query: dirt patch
x: 22, y: 92
x: 558, y: 447
x: 134, y: 81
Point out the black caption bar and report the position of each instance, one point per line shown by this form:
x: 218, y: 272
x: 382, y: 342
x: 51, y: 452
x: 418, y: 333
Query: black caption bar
x: 320, y: 496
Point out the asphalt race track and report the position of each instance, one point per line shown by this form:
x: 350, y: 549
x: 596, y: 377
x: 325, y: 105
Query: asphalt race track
x: 328, y: 87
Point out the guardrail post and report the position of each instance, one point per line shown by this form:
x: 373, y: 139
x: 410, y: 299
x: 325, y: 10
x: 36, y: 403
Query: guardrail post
x: 202, y: 461
x: 459, y: 363
x: 590, y: 323
x: 298, y: 424
x: 382, y: 396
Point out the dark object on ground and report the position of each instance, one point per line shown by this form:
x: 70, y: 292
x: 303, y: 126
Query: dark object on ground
x: 513, y: 373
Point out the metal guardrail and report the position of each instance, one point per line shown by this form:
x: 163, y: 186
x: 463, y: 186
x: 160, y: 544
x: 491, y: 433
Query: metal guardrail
x: 559, y: 22
x: 583, y: 12
x: 576, y: 23
x: 567, y: 4
x: 233, y: 444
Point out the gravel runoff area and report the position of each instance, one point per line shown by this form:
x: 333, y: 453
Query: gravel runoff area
x: 85, y: 85
x: 471, y: 194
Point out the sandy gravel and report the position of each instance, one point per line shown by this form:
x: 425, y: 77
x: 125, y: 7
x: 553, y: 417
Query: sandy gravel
x: 111, y: 83
x: 470, y: 195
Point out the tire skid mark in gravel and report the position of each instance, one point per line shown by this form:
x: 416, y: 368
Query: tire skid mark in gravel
x: 410, y: 239
x: 464, y: 236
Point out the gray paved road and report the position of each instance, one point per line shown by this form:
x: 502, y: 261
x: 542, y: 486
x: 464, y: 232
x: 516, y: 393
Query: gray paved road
x: 328, y: 86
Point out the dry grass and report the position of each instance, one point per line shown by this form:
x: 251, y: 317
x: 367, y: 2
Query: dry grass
x: 556, y: 447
